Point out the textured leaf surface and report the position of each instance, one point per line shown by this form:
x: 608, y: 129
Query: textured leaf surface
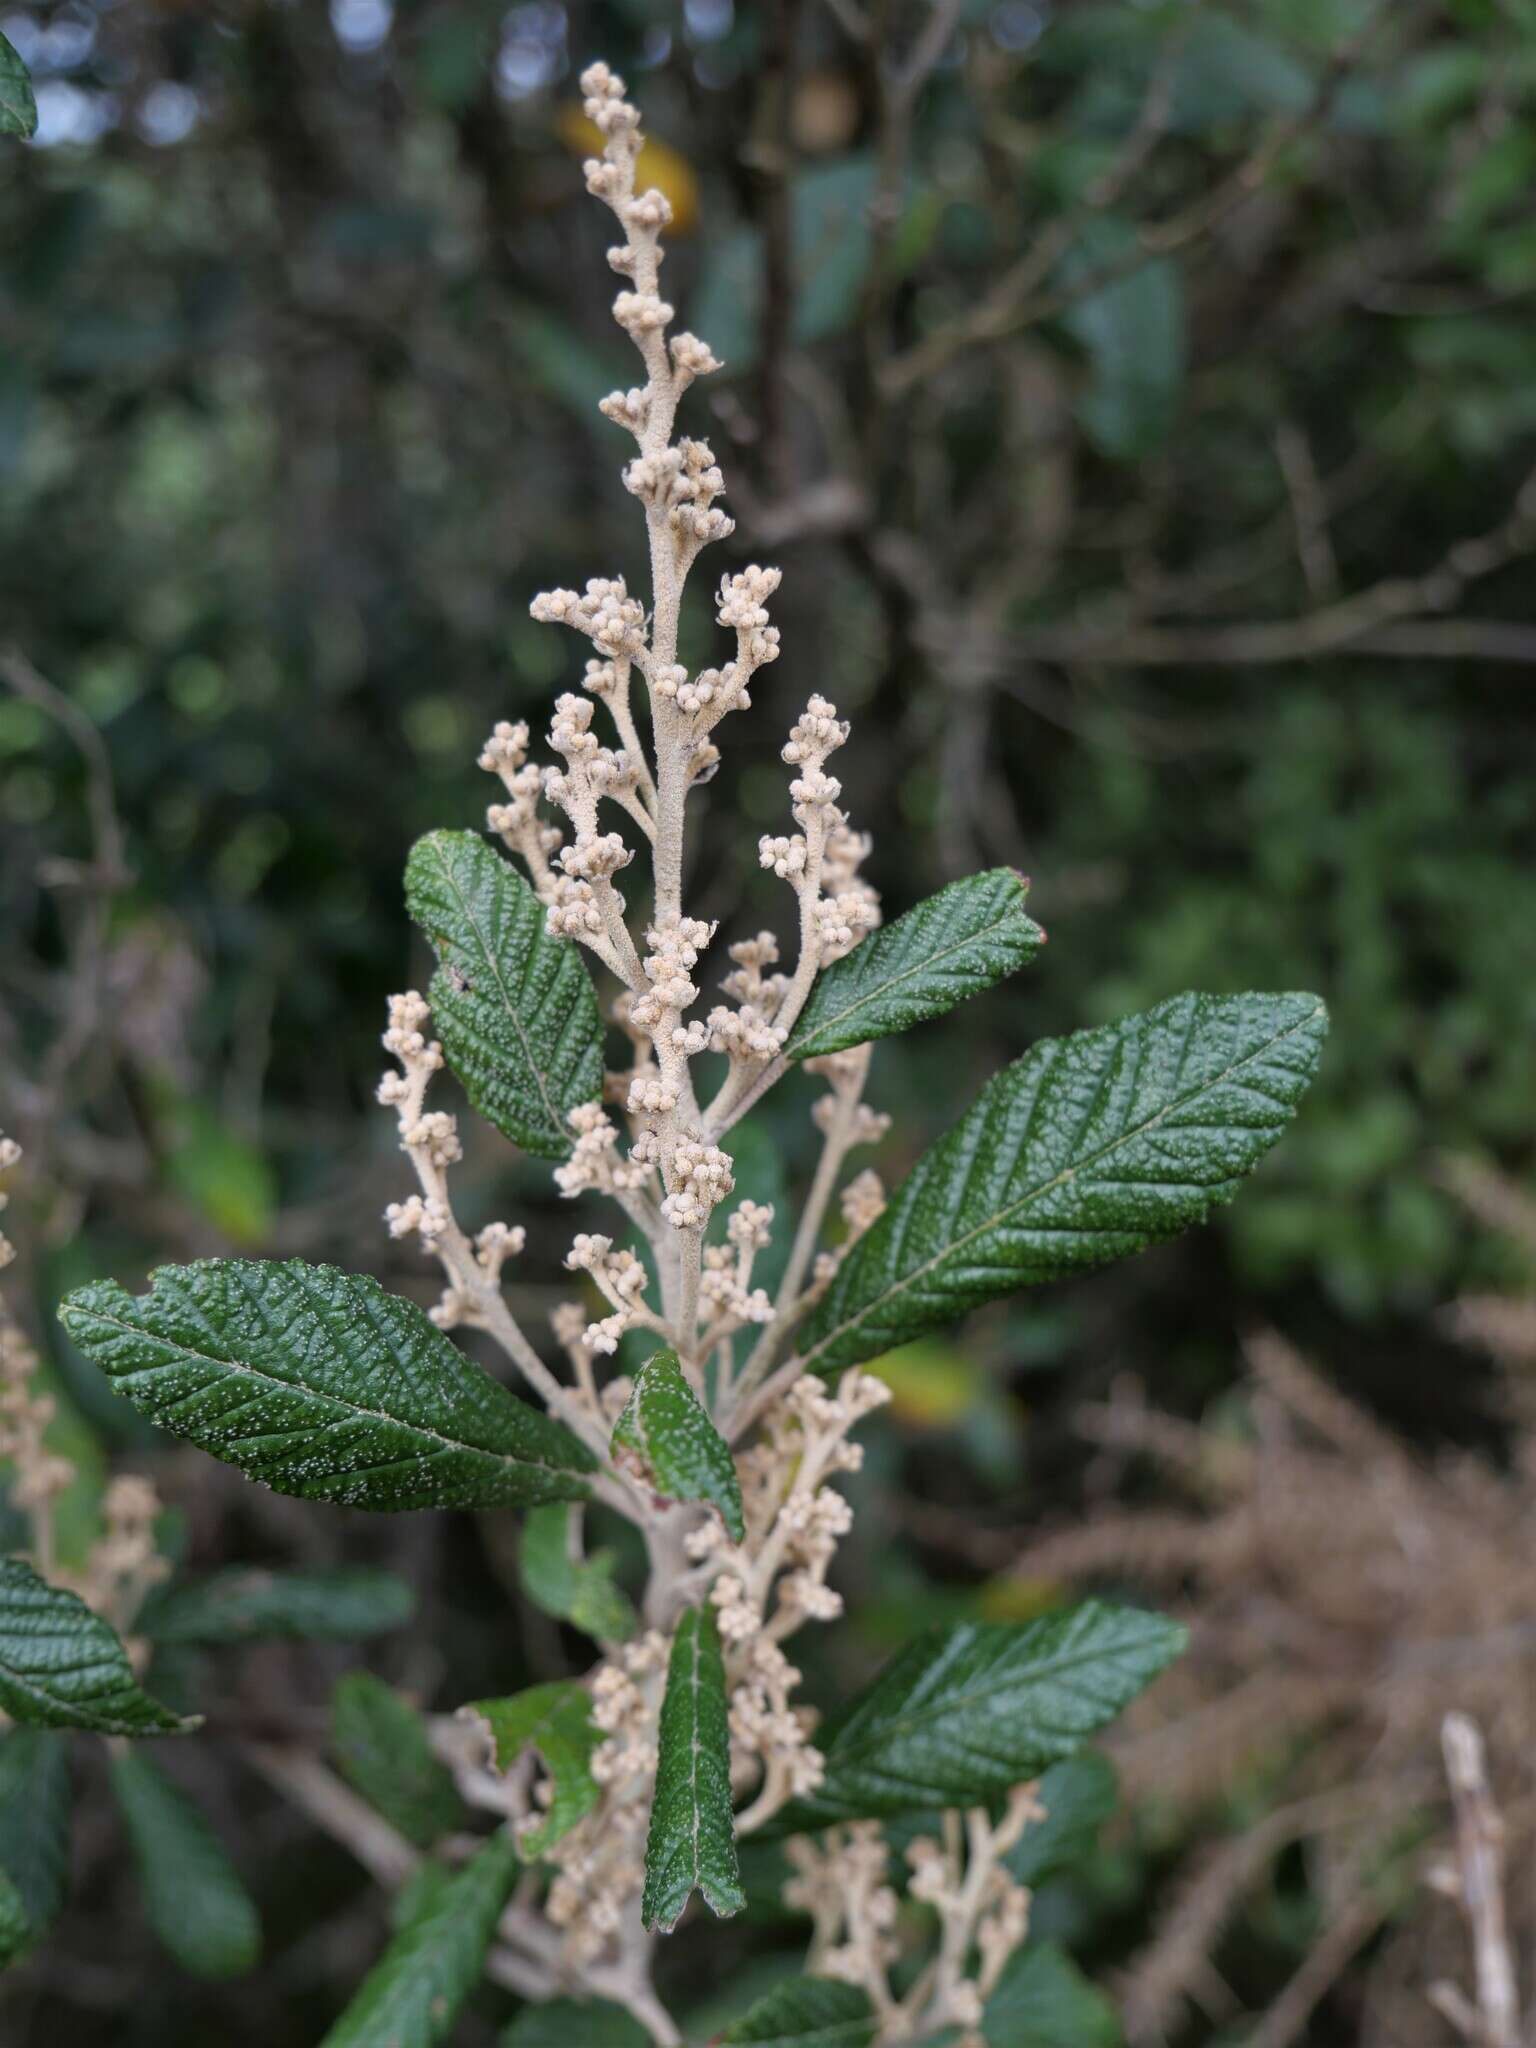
x: 1043, y: 2000
x: 573, y: 2023
x: 965, y: 1712
x: 692, y: 1841
x: 515, y: 1009
x: 18, y: 107
x: 61, y: 1666
x: 809, y: 2012
x: 1085, y: 1149
x: 576, y: 1589
x: 242, y: 1605
x: 319, y: 1384
x: 196, y: 1902
x: 556, y: 1719
x: 34, y: 1836
x: 382, y: 1747
x: 412, y: 1996
x: 951, y: 946
x: 683, y: 1456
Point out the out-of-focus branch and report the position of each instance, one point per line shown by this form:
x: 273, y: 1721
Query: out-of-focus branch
x: 1476, y: 1879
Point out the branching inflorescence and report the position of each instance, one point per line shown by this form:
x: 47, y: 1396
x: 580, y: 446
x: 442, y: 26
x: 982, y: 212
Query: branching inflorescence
x: 620, y: 1795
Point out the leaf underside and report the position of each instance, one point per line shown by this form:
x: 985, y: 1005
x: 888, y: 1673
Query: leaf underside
x: 692, y: 1841
x: 682, y: 1455
x: 951, y: 946
x: 61, y: 1666
x: 1086, y: 1149
x: 319, y: 1384
x: 514, y: 1007
x: 196, y: 1902
x: 412, y: 1995
x: 963, y: 1713
x: 556, y: 1720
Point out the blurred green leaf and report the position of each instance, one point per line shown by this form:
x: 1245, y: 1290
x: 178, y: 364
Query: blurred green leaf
x: 244, y: 1604
x: 196, y: 1902
x: 18, y: 106
x: 383, y: 1751
x: 34, y: 1837
x: 1133, y: 332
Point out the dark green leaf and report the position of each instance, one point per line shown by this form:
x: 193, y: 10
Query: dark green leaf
x: 382, y: 1748
x: 692, y: 1841
x: 965, y: 1712
x: 196, y: 1902
x: 61, y: 1666
x: 569, y: 2023
x: 679, y: 1452
x: 1043, y: 2000
x: 557, y: 1720
x: 34, y: 1836
x: 243, y: 1605
x: 18, y: 107
x: 421, y: 1893
x: 412, y: 1995
x: 515, y: 1008
x: 954, y: 945
x: 1085, y: 1149
x: 809, y: 2012
x: 1078, y: 1795
x: 578, y: 1590
x: 319, y: 1384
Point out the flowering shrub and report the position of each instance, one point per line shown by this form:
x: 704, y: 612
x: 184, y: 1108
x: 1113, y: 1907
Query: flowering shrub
x: 619, y: 1796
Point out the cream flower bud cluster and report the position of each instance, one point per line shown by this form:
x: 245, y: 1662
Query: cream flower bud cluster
x: 123, y: 1564
x: 620, y: 1276
x: 611, y: 619
x: 595, y: 1161
x: 38, y: 1475
x: 698, y: 1177
x: 10, y: 1156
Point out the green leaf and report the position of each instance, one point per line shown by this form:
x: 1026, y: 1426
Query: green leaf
x: 412, y: 1995
x: 680, y: 1453
x: 1078, y: 1795
x: 34, y: 1836
x: 965, y: 1712
x: 18, y: 107
x: 383, y: 1751
x: 954, y: 945
x: 1043, y: 2000
x: 243, y: 1605
x: 557, y: 1720
x: 808, y: 2012
x: 578, y: 1590
x: 569, y: 2023
x: 515, y: 1008
x: 1134, y: 334
x: 319, y: 1384
x: 1085, y: 1149
x: 692, y: 1841
x: 61, y: 1666
x: 196, y: 1902
x: 421, y: 1893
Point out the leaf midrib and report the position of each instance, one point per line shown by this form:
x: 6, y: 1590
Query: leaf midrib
x: 1078, y: 1166
x: 554, y: 1119
x: 267, y: 1379
x: 816, y: 1029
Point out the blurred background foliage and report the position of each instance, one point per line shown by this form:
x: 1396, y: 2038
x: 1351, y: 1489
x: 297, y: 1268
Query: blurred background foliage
x: 1141, y: 401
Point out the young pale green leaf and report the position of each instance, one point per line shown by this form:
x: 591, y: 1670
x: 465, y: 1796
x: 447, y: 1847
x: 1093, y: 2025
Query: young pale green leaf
x: 556, y: 1719
x: 319, y: 1384
x: 572, y: 2023
x: 195, y: 1900
x: 61, y: 1666
x: 18, y: 106
x: 412, y: 1995
x: 1085, y: 1149
x: 807, y: 2012
x: 576, y: 1589
x: 245, y: 1605
x: 34, y: 1836
x: 514, y: 1007
x: 692, y: 1841
x: 951, y: 946
x: 965, y: 1712
x: 382, y: 1747
x: 665, y: 1431
x: 1043, y: 2000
